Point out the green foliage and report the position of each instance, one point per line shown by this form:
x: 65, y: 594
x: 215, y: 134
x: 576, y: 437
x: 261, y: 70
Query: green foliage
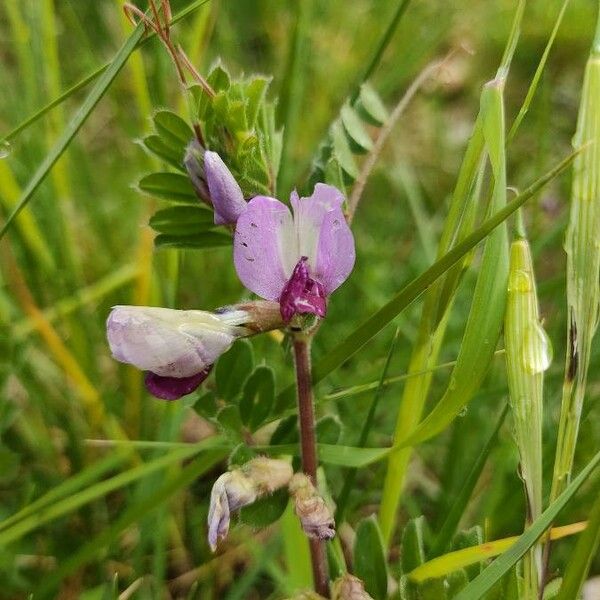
x: 79, y: 500
x: 369, y: 558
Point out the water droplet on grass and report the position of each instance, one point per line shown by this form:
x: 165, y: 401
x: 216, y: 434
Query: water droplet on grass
x: 5, y: 149
x: 537, y: 349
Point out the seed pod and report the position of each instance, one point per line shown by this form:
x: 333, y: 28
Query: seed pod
x: 312, y: 510
x: 348, y: 587
x: 528, y: 355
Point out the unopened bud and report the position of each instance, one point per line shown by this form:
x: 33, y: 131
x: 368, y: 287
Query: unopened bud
x: 225, y: 193
x: 240, y: 487
x: 314, y: 514
x: 348, y: 587
x: 194, y: 165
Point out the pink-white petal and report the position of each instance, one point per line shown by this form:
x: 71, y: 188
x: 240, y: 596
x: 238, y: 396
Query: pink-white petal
x: 324, y: 236
x: 167, y: 342
x: 265, y: 247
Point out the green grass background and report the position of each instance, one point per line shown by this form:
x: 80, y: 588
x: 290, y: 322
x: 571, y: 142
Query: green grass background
x: 87, y: 226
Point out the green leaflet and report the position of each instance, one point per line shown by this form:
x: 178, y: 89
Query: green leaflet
x: 173, y: 187
x: 370, y: 558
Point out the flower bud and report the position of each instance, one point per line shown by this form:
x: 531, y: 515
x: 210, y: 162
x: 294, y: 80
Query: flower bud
x: 194, y: 161
x: 348, y: 587
x: 240, y: 487
x: 314, y: 514
x: 225, y: 193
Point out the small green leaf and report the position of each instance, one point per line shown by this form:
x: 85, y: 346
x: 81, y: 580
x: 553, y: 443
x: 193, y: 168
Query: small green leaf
x: 265, y: 511
x: 467, y: 539
x: 369, y: 558
x: 219, y: 78
x: 370, y: 106
x: 206, y: 405
x: 329, y: 429
x: 173, y: 129
x: 240, y: 455
x: 341, y: 150
x: 182, y: 220
x: 174, y: 187
x: 229, y: 419
x: 359, y: 139
x: 258, y: 397
x: 255, y: 94
x: 233, y: 368
x: 286, y: 431
x: 157, y: 146
x: 456, y: 581
x: 202, y: 240
x: 413, y: 547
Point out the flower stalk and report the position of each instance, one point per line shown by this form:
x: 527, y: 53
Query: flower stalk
x: 308, y: 448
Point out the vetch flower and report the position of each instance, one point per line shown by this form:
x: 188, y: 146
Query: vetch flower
x: 177, y: 348
x: 240, y: 487
x: 214, y: 182
x: 312, y: 510
x: 295, y: 259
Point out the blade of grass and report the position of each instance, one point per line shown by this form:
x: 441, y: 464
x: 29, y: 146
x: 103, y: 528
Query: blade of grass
x: 537, y: 75
x: 492, y: 574
x: 453, y: 561
x: 91, y: 77
x: 107, y: 76
x: 581, y: 558
x: 350, y: 477
x: 67, y: 487
x: 75, y: 123
x: 381, y: 47
x: 72, y: 502
x: 293, y: 92
x: 583, y: 267
x: 489, y: 299
x: 459, y: 504
x: 132, y: 514
x: 88, y: 295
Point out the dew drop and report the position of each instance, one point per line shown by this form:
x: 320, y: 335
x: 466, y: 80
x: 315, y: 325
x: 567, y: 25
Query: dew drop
x: 5, y: 149
x: 537, y: 349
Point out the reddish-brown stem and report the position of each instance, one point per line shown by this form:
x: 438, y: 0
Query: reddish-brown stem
x: 308, y: 447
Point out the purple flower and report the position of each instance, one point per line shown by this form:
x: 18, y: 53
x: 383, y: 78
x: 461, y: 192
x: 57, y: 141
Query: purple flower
x: 297, y: 260
x: 177, y: 348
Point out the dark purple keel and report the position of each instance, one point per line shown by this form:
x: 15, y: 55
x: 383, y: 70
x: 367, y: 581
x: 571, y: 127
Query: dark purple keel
x: 302, y: 295
x: 173, y: 388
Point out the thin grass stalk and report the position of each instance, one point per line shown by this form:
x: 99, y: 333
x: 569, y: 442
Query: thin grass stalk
x: 33, y: 239
x: 527, y: 357
x: 583, y: 267
x: 65, y: 214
